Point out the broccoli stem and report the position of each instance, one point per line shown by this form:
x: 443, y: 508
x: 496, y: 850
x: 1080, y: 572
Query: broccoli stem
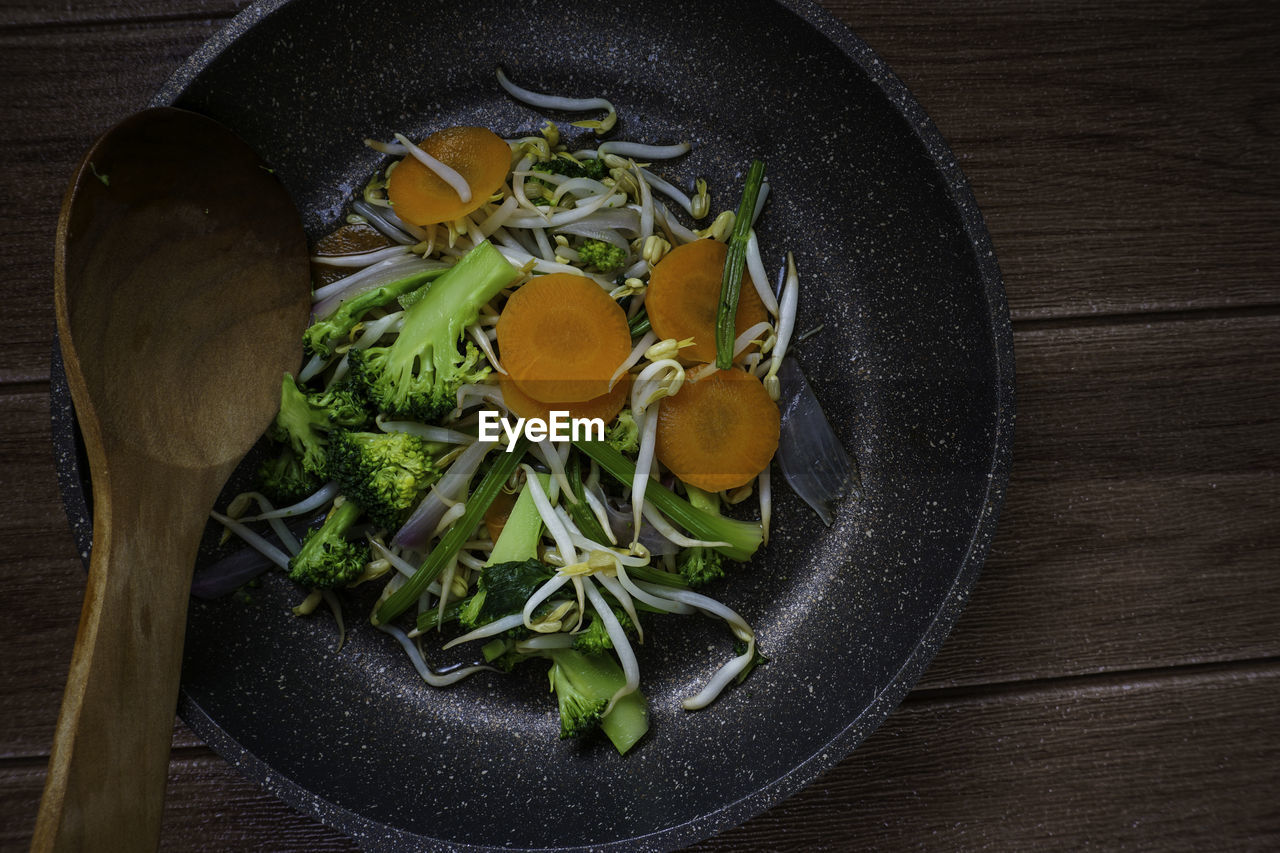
x: 455, y: 536
x: 731, y: 282
x: 320, y: 337
x: 744, y: 537
x: 518, y: 540
x: 585, y: 682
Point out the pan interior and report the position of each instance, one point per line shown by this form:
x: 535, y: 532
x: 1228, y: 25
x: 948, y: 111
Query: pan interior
x: 909, y: 365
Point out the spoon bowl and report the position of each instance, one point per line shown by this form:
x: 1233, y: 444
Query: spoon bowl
x: 181, y: 292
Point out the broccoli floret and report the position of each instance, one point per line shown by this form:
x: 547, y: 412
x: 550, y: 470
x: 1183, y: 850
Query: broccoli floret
x: 605, y: 257
x: 384, y: 473
x: 343, y: 407
x: 418, y: 375
x: 700, y: 566
x: 303, y: 427
x: 284, y: 480
x: 570, y: 167
x: 321, y: 337
x: 327, y: 558
x: 623, y: 435
x: 584, y: 684
x: 595, y: 637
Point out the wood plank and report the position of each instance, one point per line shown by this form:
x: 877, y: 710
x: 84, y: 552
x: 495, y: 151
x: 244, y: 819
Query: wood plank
x: 47, y: 126
x: 1120, y: 152
x: 1180, y: 761
x: 1140, y: 521
x: 1112, y: 185
x: 1139, y: 529
x: 42, y: 13
x: 208, y: 806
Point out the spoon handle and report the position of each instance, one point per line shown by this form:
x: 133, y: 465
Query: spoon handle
x: 110, y: 755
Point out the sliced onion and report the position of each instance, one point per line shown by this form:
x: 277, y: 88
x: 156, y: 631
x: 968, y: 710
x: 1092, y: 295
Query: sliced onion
x: 811, y: 457
x: 620, y: 523
x: 229, y: 574
x: 380, y: 219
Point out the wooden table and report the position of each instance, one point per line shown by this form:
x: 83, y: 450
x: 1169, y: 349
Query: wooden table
x: 1115, y: 678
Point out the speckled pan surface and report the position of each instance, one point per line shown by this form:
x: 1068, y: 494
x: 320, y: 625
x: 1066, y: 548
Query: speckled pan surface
x: 914, y: 366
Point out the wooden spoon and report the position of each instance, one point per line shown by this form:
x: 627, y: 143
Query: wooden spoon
x: 181, y: 287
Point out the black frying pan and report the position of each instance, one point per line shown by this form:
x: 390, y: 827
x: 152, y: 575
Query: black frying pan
x: 914, y: 367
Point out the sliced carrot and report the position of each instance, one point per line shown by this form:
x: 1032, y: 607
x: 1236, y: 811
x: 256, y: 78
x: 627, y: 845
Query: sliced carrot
x: 605, y: 407
x: 684, y: 297
x: 561, y: 337
x: 421, y: 197
x: 720, y: 432
x: 495, y: 517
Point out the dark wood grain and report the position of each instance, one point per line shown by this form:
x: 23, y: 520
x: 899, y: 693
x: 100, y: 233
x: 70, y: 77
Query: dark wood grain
x: 1088, y: 762
x: 1115, y: 677
x: 33, y: 14
x: 1121, y: 152
x: 1107, y: 171
x: 1146, y: 488
x: 54, y: 122
x: 1168, y: 763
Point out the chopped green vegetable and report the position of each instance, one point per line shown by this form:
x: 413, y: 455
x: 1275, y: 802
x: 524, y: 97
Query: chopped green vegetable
x: 327, y: 558
x: 579, y: 511
x: 623, y: 435
x: 605, y: 257
x: 584, y: 684
x: 639, y: 324
x: 418, y: 375
x: 700, y: 565
x: 744, y: 537
x: 284, y: 479
x: 502, y: 589
x: 304, y: 424
x: 385, y: 473
x: 323, y: 335
x: 453, y: 539
x: 731, y: 283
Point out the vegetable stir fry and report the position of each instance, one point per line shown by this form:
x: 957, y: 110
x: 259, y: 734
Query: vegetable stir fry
x: 531, y: 411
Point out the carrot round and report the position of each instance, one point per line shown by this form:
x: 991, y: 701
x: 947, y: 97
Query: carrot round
x: 605, y: 407
x: 719, y: 432
x: 561, y: 337
x: 684, y: 297
x: 495, y: 517
x: 421, y: 197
